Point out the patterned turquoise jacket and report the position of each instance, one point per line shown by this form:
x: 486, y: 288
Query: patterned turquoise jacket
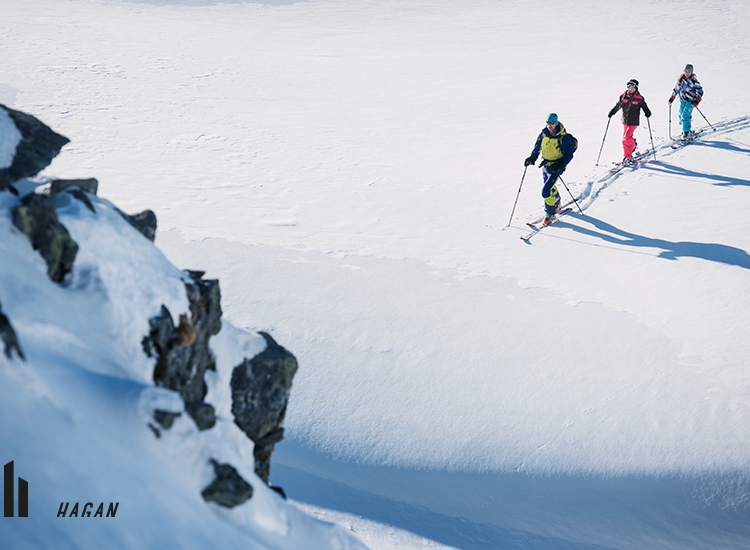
x: 688, y: 89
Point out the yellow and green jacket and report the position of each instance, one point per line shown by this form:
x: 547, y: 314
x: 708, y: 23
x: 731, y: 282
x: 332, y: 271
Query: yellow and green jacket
x: 557, y: 146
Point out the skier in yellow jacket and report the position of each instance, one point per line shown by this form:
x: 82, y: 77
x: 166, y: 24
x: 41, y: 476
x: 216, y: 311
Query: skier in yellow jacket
x: 556, y: 148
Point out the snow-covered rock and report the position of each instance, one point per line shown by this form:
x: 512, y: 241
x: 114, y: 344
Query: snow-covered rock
x: 108, y: 404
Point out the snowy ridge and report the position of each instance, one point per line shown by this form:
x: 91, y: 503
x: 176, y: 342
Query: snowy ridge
x: 84, y: 401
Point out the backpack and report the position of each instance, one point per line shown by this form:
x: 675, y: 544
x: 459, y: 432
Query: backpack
x: 574, y: 142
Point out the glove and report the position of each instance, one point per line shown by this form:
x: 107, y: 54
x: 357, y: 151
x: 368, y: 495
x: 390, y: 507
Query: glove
x: 555, y: 165
x: 647, y: 113
x: 697, y: 100
x: 671, y: 99
x: 695, y: 103
x: 611, y: 113
x: 530, y: 161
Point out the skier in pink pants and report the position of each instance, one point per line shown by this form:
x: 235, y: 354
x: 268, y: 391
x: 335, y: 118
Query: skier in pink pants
x: 631, y: 102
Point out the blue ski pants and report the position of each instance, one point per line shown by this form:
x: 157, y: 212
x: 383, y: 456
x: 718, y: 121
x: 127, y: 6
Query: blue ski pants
x: 549, y: 190
x: 686, y: 114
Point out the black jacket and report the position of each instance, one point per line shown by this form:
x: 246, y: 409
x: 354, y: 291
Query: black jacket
x: 631, y: 105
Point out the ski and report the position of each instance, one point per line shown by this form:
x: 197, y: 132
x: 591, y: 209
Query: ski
x: 537, y: 226
x: 617, y: 166
x: 564, y: 207
x: 678, y: 143
x: 638, y: 160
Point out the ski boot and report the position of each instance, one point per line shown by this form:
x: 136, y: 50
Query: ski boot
x: 549, y: 218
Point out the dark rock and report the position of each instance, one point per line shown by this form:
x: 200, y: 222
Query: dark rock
x: 10, y: 340
x: 38, y: 146
x: 260, y: 386
x: 260, y: 394
x: 279, y: 490
x: 263, y: 450
x: 205, y: 304
x: 81, y: 196
x: 228, y: 489
x: 174, y: 369
x: 144, y: 222
x: 78, y: 188
x: 161, y: 332
x: 165, y: 419
x: 203, y: 414
x: 36, y: 217
x: 182, y: 352
x: 89, y: 185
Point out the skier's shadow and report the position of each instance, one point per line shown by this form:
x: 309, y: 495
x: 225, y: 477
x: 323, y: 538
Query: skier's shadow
x: 715, y: 179
x: 713, y: 252
x: 726, y: 145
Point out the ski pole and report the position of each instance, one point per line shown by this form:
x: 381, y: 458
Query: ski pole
x: 571, y: 194
x: 670, y: 121
x: 653, y: 148
x: 517, y: 195
x: 605, y: 137
x: 704, y: 118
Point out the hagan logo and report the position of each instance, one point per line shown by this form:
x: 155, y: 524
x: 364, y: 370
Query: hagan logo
x: 9, y: 497
x: 87, y: 510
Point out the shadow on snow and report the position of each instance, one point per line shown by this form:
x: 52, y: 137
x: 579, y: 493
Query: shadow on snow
x: 726, y: 145
x: 671, y: 250
x: 481, y: 510
x: 715, y: 179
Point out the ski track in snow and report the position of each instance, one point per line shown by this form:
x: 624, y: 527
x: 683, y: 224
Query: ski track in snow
x: 593, y: 189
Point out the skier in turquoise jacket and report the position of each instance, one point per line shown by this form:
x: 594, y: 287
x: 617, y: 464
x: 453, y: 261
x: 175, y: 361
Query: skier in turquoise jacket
x: 690, y: 92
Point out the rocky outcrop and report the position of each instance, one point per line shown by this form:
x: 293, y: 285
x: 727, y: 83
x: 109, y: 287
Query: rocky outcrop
x: 78, y: 188
x: 9, y: 338
x: 260, y: 394
x: 260, y: 385
x: 28, y: 146
x: 144, y: 222
x: 89, y: 185
x: 228, y: 488
x: 164, y: 419
x: 182, y: 352
x: 36, y: 217
x: 36, y: 148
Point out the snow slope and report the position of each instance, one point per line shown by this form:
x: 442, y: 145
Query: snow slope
x: 347, y: 170
x: 76, y: 411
